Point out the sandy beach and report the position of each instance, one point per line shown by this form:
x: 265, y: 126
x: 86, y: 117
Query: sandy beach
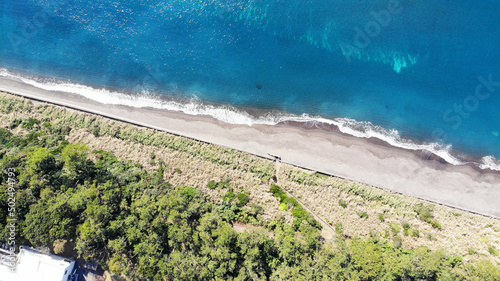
x: 332, y: 153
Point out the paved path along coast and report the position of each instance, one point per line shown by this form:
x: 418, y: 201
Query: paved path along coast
x: 328, y: 152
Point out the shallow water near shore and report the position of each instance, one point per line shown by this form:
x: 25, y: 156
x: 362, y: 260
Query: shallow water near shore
x: 413, y: 83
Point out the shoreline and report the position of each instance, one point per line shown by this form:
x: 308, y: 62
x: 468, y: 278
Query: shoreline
x: 240, y: 115
x: 421, y: 153
x: 370, y: 161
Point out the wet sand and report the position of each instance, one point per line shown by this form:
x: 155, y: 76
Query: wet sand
x: 372, y: 162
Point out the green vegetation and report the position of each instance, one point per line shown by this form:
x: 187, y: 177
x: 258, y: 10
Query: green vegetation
x: 343, y: 203
x: 229, y: 196
x: 222, y: 184
x: 4, y: 135
x: 135, y: 223
x: 381, y: 217
x: 492, y: 250
x: 64, y: 120
x: 284, y: 207
x: 424, y: 213
x: 414, y: 232
x: 395, y: 227
x: 212, y: 184
x: 436, y: 224
x: 30, y: 123
x: 15, y: 123
x: 363, y: 215
x: 406, y: 228
x: 298, y: 212
x: 243, y: 198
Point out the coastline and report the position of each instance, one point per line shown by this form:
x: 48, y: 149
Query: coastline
x: 240, y: 115
x: 330, y: 152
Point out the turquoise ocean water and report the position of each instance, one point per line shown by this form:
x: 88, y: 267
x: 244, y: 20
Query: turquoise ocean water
x: 418, y: 74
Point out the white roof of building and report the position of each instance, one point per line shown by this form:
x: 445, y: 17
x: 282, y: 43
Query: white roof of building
x: 33, y: 265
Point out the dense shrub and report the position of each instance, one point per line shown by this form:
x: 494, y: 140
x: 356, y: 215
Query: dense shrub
x: 15, y: 123
x: 298, y: 212
x: 212, y: 184
x: 424, y: 213
x: 243, y: 199
x: 343, y: 203
x: 30, y: 123
x: 363, y: 215
x: 381, y: 217
x: 492, y: 250
x: 283, y: 207
x: 436, y: 224
x: 395, y: 228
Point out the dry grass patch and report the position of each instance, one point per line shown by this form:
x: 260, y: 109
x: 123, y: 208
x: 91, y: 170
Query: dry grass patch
x: 460, y: 231
x: 196, y: 172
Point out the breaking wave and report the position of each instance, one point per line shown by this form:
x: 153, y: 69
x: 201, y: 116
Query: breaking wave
x: 233, y: 115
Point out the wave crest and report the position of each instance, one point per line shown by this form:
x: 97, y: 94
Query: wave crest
x: 233, y: 115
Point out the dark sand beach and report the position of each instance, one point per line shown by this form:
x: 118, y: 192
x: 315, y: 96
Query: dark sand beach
x: 413, y: 173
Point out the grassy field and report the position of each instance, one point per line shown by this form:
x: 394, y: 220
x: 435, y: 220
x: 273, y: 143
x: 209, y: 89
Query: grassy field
x: 363, y: 211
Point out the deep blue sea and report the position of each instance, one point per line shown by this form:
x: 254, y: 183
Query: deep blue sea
x: 418, y: 74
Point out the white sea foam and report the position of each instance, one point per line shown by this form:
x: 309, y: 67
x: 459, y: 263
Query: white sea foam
x: 490, y: 162
x: 232, y: 115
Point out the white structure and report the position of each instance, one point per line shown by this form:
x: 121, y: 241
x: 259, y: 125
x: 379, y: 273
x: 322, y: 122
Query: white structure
x: 33, y: 265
